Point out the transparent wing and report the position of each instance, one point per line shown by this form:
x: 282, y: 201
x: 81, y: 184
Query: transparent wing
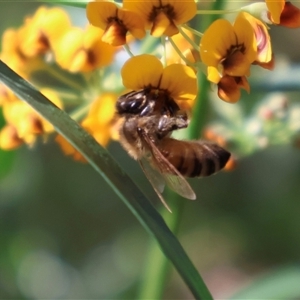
x: 156, y: 177
x: 172, y: 177
x: 156, y: 181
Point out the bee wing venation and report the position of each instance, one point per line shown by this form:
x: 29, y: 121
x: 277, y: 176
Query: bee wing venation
x: 156, y: 178
x: 171, y: 175
x: 153, y: 178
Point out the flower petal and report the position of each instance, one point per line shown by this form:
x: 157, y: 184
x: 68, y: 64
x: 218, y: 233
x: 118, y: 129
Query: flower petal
x: 229, y: 88
x: 184, y: 10
x: 275, y: 8
x: 245, y: 36
x: 99, y: 12
x: 212, y: 49
x: 180, y: 81
x: 142, y: 71
x: 213, y: 74
x: 160, y: 24
x: 290, y: 16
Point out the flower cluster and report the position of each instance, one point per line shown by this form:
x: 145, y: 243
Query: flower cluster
x: 47, y: 48
x: 84, y: 64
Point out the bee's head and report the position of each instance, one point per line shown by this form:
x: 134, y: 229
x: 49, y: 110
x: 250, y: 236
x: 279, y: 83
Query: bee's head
x: 135, y: 103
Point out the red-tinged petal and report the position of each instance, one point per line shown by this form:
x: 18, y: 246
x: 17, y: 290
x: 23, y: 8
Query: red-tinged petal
x: 290, y: 16
x: 263, y: 41
x: 268, y: 65
x: 180, y: 81
x: 243, y: 83
x: 275, y: 8
x: 216, y: 41
x: 142, y: 71
x: 228, y: 90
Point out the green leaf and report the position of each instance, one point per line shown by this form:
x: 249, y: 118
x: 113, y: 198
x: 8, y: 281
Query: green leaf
x: 115, y: 177
x: 282, y: 283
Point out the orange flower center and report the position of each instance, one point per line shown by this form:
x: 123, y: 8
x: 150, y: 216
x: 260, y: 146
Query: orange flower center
x: 168, y: 10
x: 115, y: 32
x: 43, y: 41
x: 234, y: 57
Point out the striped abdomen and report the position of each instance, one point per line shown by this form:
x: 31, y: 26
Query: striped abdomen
x: 194, y: 158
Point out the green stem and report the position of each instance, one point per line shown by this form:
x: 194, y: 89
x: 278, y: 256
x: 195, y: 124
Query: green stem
x: 193, y: 44
x: 192, y: 30
x: 179, y: 53
x: 200, y: 108
x: 128, y: 51
x: 164, y: 57
x: 217, y: 12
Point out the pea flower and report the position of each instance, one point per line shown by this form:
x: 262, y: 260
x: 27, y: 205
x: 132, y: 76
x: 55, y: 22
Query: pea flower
x: 176, y: 80
x: 163, y: 16
x: 228, y: 51
x: 82, y: 50
x: 115, y: 22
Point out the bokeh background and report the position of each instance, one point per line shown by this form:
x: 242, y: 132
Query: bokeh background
x: 64, y: 234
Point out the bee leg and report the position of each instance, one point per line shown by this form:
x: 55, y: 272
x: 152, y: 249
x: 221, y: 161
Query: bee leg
x: 167, y: 124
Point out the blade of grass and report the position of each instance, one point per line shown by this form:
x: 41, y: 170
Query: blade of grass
x: 115, y: 177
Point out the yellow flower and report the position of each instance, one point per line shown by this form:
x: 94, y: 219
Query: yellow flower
x: 25, y: 120
x: 12, y: 55
x: 9, y: 138
x: 163, y: 16
x: 100, y: 118
x: 228, y: 51
x: 82, y: 50
x: 41, y: 32
x: 100, y: 123
x: 115, y: 22
x: 144, y: 71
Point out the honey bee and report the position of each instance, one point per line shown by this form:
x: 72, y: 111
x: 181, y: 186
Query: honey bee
x: 149, y: 118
